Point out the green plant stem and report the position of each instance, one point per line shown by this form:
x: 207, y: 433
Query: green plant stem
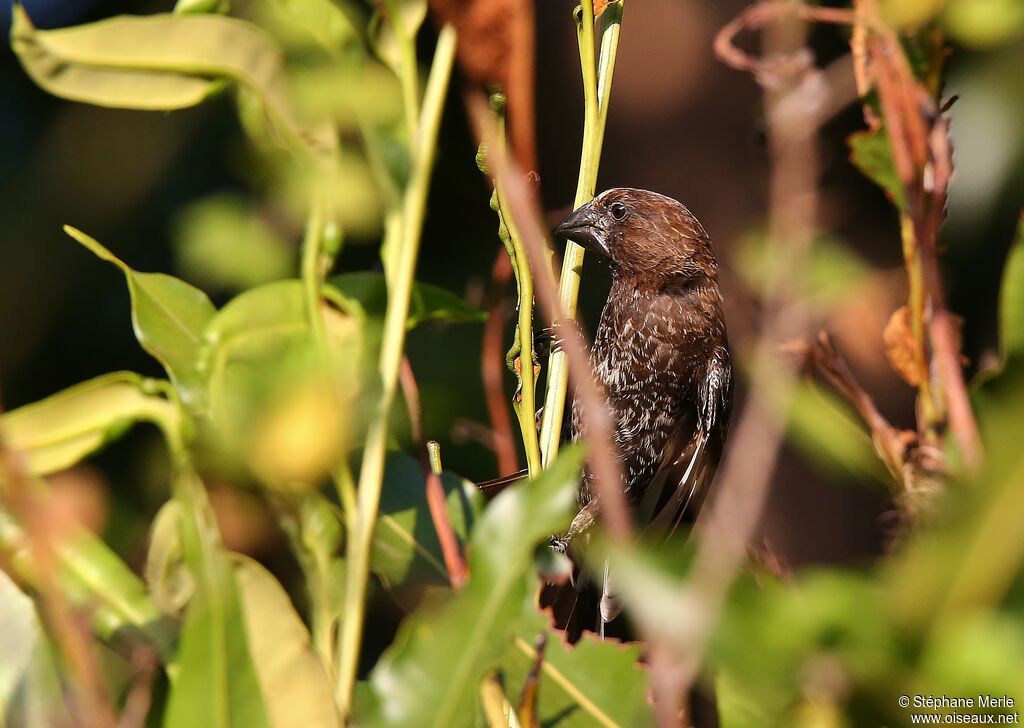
x: 526, y: 406
x: 596, y: 95
x: 312, y: 270
x: 371, y: 476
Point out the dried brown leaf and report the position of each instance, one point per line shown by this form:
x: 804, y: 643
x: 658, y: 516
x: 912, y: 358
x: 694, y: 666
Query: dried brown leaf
x: 901, y: 349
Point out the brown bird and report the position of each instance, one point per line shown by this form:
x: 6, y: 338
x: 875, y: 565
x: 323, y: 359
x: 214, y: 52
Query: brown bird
x: 661, y: 356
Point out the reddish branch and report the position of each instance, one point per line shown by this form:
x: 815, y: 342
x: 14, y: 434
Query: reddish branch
x: 493, y: 367
x: 919, y: 142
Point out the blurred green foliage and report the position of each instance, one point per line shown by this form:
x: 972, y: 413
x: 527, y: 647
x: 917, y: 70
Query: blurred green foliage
x: 270, y: 393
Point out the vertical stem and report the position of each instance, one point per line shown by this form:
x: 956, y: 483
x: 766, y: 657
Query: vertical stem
x: 311, y: 269
x: 596, y: 94
x: 526, y: 407
x: 371, y: 476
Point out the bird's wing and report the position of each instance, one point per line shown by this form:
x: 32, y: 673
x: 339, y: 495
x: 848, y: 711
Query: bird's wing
x: 693, y: 458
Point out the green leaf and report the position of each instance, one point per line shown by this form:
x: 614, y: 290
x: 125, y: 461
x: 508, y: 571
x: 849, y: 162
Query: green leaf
x: 168, y: 316
x: 94, y: 579
x: 591, y: 683
x: 869, y: 152
x: 295, y: 685
x: 57, y: 432
x: 157, y: 62
x: 365, y: 294
x: 832, y: 270
x: 983, y: 23
x: 223, y: 243
x: 62, y: 72
x: 430, y: 676
x: 217, y: 685
x: 385, y: 38
x: 271, y: 397
x: 169, y: 581
x: 30, y: 691
x: 186, y: 7
x: 1011, y: 300
x: 405, y: 545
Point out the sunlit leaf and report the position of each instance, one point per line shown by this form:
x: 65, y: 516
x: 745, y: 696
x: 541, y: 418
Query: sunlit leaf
x: 296, y: 688
x: 367, y: 295
x: 591, y: 683
x: 217, y: 685
x: 869, y: 152
x: 186, y: 7
x: 983, y: 23
x: 157, y: 62
x: 276, y: 408
x: 57, y: 432
x: 387, y: 35
x: 168, y: 316
x: 30, y: 691
x: 430, y: 675
x: 223, y: 243
x: 405, y: 545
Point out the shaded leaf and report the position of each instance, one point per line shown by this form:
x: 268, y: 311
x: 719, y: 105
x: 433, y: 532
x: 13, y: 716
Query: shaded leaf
x: 168, y: 316
x: 295, y: 685
x: 30, y: 691
x: 431, y: 674
x: 217, y: 684
x: 405, y: 544
x: 869, y: 152
x: 591, y: 683
x: 366, y: 295
x: 57, y: 432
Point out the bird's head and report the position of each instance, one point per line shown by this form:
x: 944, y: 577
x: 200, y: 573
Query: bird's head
x: 642, y: 234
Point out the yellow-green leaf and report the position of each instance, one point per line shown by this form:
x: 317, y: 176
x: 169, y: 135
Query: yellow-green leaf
x: 295, y: 685
x: 57, y: 432
x: 168, y: 316
x: 156, y: 62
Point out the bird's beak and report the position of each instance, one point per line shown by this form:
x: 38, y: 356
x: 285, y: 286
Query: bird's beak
x: 586, y: 227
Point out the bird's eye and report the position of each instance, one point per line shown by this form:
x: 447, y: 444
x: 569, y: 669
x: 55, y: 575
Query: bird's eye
x: 618, y: 210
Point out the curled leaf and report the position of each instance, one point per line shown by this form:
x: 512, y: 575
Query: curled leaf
x: 901, y: 349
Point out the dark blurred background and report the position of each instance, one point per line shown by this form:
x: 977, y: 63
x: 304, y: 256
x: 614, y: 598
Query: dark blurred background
x: 680, y: 123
